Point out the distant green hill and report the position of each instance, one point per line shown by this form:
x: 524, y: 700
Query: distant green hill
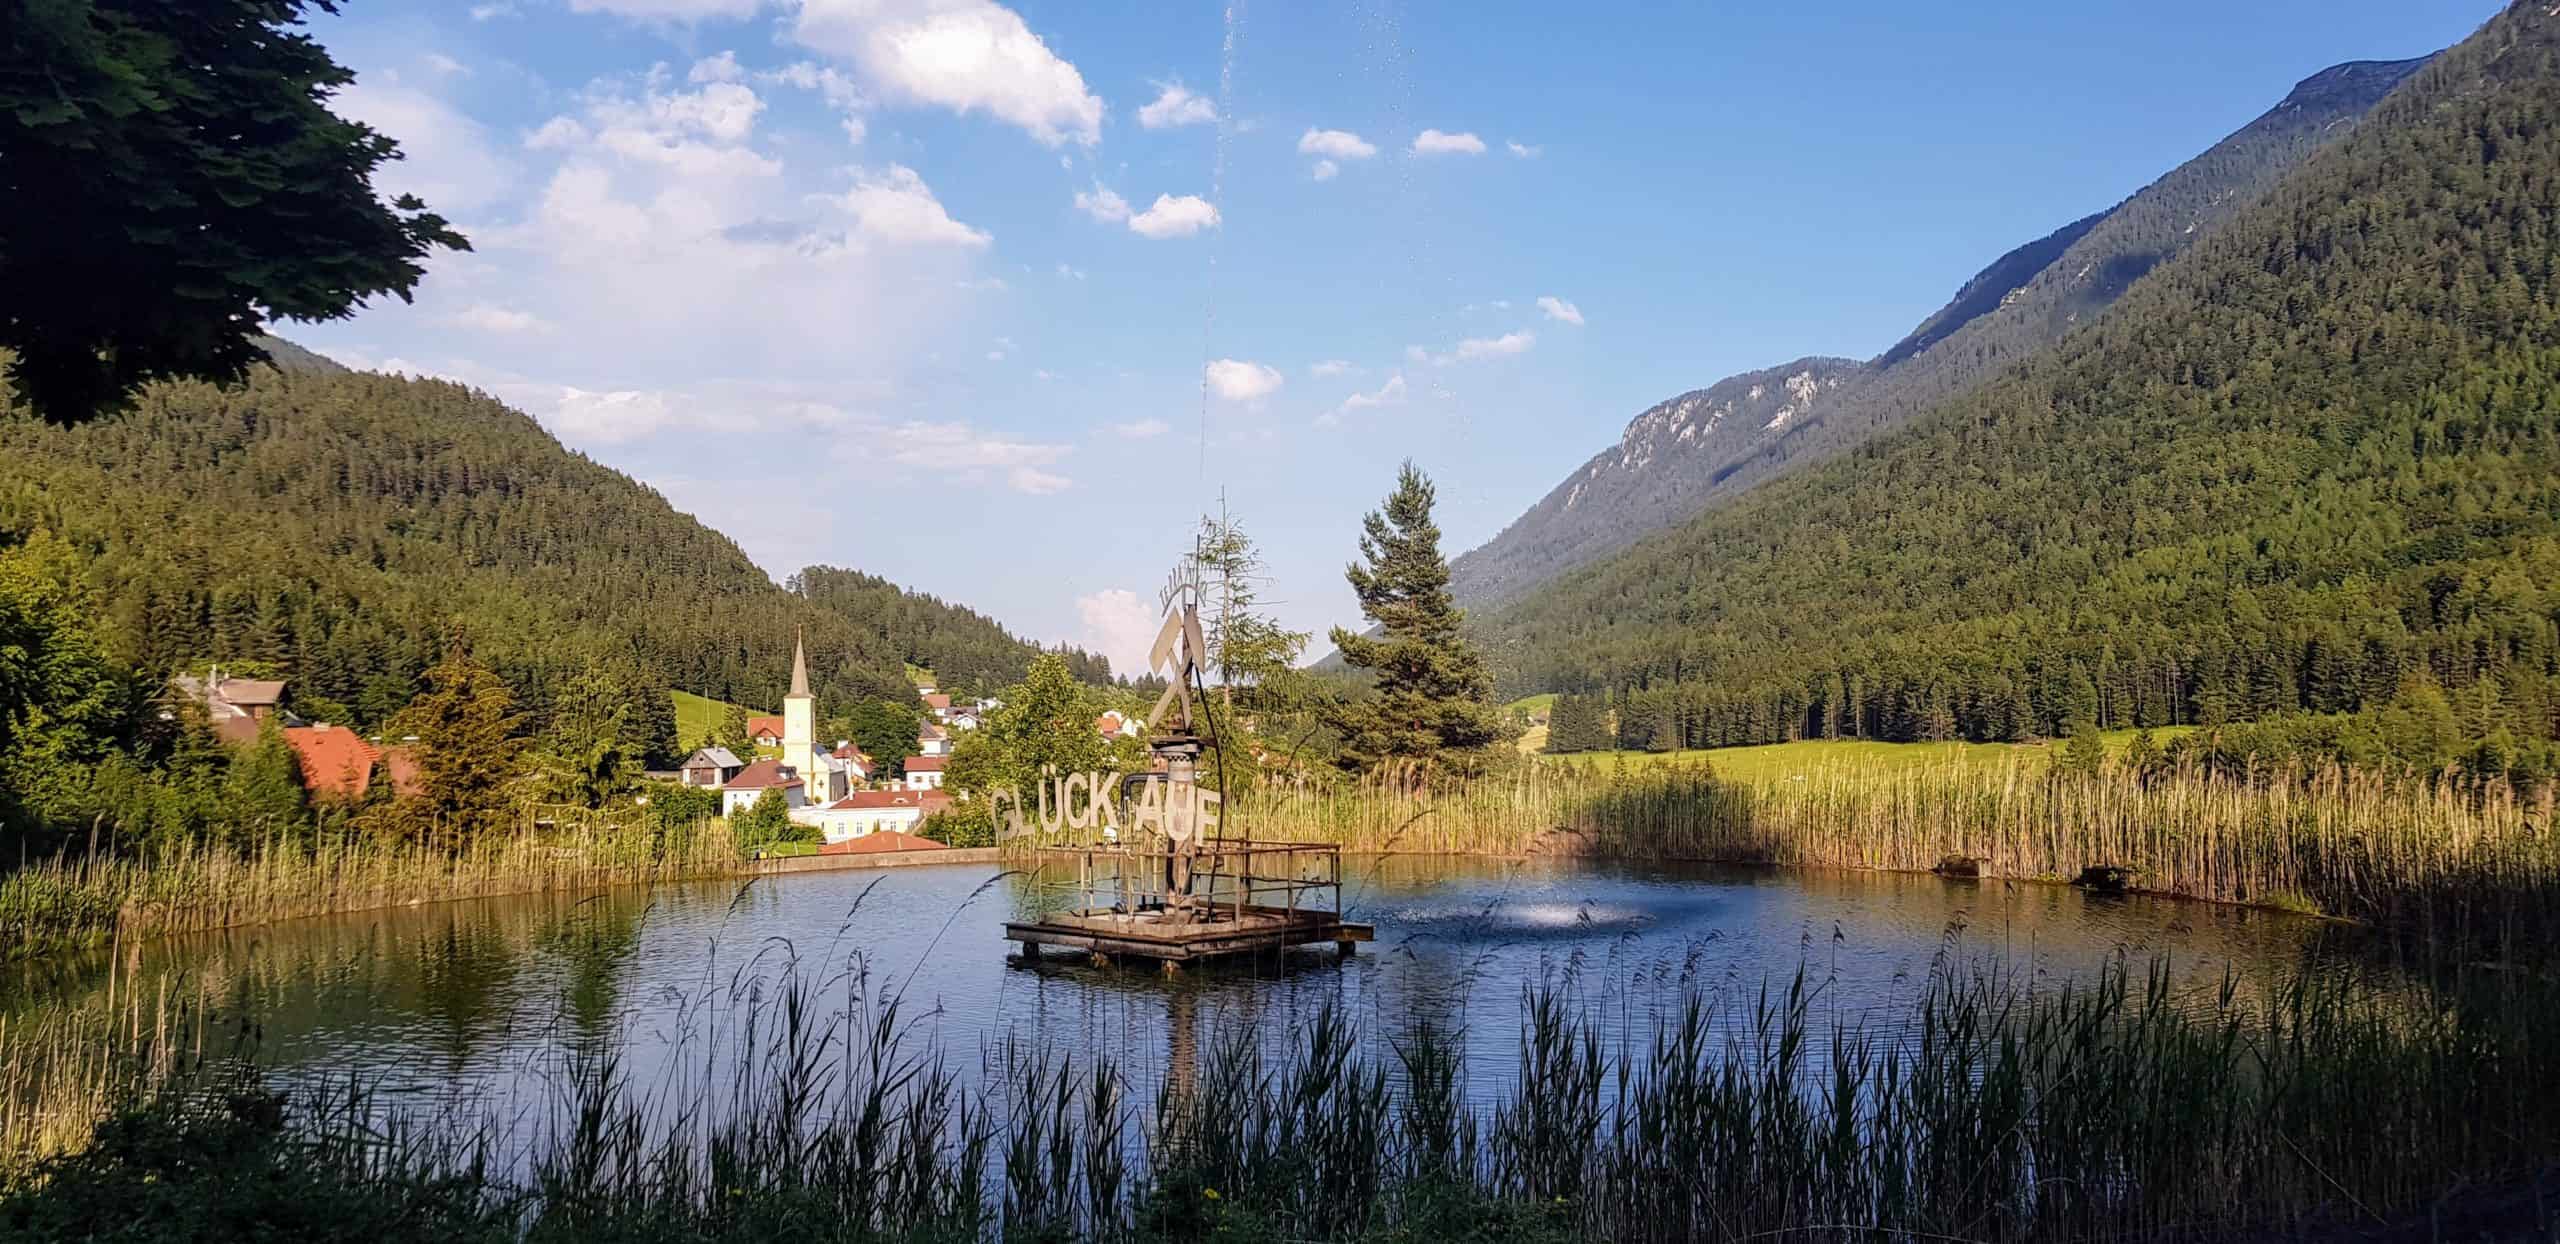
x: 337, y: 525
x: 959, y: 648
x: 2313, y: 453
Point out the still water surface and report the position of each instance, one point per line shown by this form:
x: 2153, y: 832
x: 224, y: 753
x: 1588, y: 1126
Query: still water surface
x: 492, y: 999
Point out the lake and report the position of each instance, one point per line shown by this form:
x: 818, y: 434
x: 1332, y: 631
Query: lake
x: 491, y: 1002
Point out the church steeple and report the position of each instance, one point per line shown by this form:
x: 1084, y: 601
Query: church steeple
x: 800, y: 725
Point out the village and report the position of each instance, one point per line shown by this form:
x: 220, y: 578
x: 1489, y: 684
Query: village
x: 856, y: 803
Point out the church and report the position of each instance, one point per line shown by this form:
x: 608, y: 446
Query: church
x: 805, y: 775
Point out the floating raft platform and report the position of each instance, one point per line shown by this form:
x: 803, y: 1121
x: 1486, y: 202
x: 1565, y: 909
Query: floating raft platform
x: 1151, y: 935
x: 1221, y: 899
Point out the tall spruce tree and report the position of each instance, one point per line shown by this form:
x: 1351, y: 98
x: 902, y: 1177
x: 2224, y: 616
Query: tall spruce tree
x: 466, y: 752
x: 1434, y: 702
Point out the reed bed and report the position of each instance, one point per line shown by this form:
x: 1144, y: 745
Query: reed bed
x: 2106, y: 1111
x: 2481, y: 862
x: 85, y: 901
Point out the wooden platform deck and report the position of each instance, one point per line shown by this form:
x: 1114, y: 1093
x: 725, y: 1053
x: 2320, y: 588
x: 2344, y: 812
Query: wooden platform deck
x: 1150, y: 935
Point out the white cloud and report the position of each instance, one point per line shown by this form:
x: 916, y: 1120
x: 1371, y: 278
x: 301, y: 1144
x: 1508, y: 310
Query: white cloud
x: 557, y: 134
x: 490, y: 12
x: 1238, y: 380
x: 1069, y: 272
x: 1325, y: 170
x: 1523, y: 150
x: 1175, y: 217
x: 1103, y: 204
x: 1034, y: 482
x: 965, y: 55
x: 674, y: 12
x: 899, y: 207
x: 721, y: 68
x: 1433, y: 142
x: 1140, y: 429
x: 958, y: 446
x: 446, y: 159
x: 1335, y: 144
x: 445, y: 66
x: 1475, y: 349
x: 1330, y: 367
x: 620, y: 417
x: 1176, y: 106
x: 1389, y: 394
x: 489, y: 318
x: 1120, y: 626
x: 1558, y: 309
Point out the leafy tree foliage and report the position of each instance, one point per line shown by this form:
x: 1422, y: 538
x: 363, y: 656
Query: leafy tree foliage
x: 170, y: 174
x: 2310, y: 456
x: 264, y: 787
x: 885, y: 730
x: 62, y: 707
x: 1045, y: 725
x: 768, y: 821
x: 1434, y: 702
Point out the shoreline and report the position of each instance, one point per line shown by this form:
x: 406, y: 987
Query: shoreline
x: 784, y: 866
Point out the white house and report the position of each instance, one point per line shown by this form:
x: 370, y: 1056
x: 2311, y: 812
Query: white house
x: 933, y: 740
x: 768, y: 774
x: 924, y: 772
x: 867, y: 812
x: 857, y: 765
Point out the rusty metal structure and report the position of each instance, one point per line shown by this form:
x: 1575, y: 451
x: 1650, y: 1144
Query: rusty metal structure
x: 1155, y: 876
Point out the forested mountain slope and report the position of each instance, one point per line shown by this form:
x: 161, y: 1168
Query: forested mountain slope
x: 334, y: 525
x: 2316, y: 452
x: 1708, y: 446
x: 965, y: 649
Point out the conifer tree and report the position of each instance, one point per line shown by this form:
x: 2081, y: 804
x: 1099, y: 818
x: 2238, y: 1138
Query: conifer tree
x: 466, y: 751
x: 1434, y: 698
x: 263, y: 791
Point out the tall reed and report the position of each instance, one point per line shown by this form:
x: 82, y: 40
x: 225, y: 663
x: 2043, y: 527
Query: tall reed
x: 70, y: 902
x: 2108, y: 1110
x: 2486, y: 862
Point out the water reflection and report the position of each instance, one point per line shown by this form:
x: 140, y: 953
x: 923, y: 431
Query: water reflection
x: 493, y: 998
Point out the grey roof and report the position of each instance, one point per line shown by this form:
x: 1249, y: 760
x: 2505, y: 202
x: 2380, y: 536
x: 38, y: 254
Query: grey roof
x: 799, y: 669
x: 719, y: 757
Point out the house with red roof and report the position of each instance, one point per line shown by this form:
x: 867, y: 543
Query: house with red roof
x: 766, y: 731
x: 741, y: 792
x: 925, y: 772
x: 337, y: 763
x: 866, y: 813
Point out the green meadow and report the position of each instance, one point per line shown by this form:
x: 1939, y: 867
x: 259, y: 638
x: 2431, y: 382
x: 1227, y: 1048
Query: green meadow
x: 1779, y: 762
x: 696, y: 717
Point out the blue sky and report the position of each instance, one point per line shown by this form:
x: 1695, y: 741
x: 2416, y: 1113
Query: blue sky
x: 965, y: 294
